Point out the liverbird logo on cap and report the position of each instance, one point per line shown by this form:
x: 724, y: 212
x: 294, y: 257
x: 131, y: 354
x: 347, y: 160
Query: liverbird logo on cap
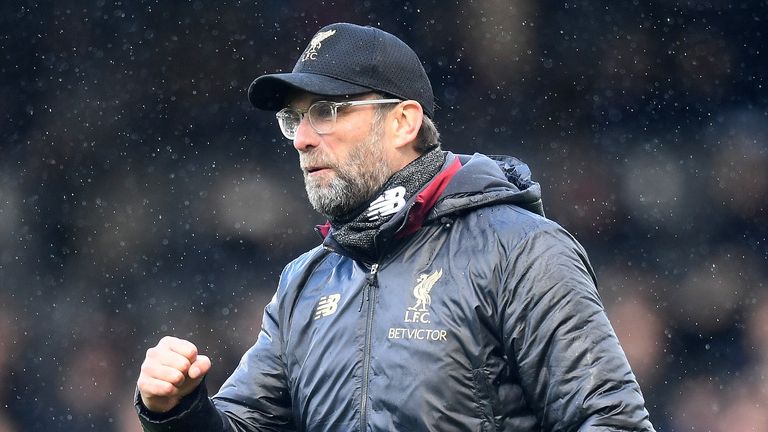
x: 315, y: 44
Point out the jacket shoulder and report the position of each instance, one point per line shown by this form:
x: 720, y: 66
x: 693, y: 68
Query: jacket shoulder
x: 521, y: 235
x: 513, y: 223
x: 295, y: 272
x: 304, y: 260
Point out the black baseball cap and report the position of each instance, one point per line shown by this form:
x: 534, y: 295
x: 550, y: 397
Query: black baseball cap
x: 347, y: 59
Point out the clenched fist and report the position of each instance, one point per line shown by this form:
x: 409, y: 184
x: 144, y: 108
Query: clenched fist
x: 171, y: 370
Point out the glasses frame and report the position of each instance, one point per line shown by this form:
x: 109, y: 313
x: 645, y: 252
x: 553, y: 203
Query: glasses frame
x: 335, y: 106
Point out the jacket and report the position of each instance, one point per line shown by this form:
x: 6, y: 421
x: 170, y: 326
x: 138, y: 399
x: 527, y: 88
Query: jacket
x: 479, y: 315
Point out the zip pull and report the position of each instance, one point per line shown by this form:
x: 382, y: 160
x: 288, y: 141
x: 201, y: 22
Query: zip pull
x: 371, y: 279
x: 372, y: 274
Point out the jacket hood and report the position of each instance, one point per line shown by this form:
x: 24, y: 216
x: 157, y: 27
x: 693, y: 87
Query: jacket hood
x: 486, y: 180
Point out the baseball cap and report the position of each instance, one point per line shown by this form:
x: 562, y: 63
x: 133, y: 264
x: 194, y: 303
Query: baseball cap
x: 347, y: 59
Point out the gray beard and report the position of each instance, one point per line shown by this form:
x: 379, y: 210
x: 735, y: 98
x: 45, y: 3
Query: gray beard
x: 356, y: 180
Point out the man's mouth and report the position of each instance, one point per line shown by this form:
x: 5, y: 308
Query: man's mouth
x: 314, y: 169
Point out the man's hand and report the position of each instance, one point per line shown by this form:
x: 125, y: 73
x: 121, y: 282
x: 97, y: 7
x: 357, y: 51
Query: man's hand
x: 171, y: 370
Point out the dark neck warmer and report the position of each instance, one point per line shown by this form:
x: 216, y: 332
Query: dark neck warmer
x: 356, y: 231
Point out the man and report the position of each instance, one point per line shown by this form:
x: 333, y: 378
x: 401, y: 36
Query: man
x: 440, y: 299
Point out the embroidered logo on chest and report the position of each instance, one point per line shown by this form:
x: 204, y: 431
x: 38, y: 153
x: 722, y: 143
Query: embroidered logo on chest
x: 417, y: 315
x: 327, y: 305
x: 424, y: 283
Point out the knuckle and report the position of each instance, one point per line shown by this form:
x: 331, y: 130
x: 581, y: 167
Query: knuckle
x: 188, y: 352
x: 183, y: 366
x: 188, y: 349
x: 166, y: 340
x: 158, y: 388
x: 141, y: 383
x: 147, y: 368
x: 166, y: 388
x: 177, y: 378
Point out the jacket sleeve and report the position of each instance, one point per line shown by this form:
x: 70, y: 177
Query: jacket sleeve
x: 574, y: 373
x: 254, y: 398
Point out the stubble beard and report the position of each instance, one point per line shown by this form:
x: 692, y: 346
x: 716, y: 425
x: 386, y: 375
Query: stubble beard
x: 355, y: 180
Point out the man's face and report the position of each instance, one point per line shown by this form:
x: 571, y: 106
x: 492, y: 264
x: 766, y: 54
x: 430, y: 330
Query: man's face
x: 344, y: 168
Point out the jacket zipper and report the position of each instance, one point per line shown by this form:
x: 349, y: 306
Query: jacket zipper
x: 370, y: 292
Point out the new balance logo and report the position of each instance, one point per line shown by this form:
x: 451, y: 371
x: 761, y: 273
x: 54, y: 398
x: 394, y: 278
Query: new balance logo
x: 327, y: 305
x: 387, y: 204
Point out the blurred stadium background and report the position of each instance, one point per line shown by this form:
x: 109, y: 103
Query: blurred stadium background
x: 141, y: 195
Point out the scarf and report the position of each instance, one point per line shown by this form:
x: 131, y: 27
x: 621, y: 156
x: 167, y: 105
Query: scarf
x: 356, y: 232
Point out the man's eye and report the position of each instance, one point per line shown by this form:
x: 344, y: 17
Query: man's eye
x: 323, y: 111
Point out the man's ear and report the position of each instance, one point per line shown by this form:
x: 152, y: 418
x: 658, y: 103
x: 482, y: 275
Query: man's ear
x: 405, y: 121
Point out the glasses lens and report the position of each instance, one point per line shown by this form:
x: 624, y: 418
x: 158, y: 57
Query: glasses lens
x: 322, y: 115
x: 289, y: 120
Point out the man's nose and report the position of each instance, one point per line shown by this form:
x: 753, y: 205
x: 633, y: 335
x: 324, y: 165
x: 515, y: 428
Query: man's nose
x: 306, y: 136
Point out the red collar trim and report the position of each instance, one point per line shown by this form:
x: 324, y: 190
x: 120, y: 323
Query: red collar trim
x: 427, y: 199
x: 323, y: 229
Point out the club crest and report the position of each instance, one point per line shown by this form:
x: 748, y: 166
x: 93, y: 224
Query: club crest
x: 315, y: 44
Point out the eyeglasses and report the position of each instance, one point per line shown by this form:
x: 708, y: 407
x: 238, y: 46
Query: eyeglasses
x: 322, y: 115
